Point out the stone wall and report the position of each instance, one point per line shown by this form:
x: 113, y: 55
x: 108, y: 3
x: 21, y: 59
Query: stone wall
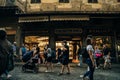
x: 73, y: 5
x: 2, y: 2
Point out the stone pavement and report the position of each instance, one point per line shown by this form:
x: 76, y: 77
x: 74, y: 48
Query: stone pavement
x: 100, y: 74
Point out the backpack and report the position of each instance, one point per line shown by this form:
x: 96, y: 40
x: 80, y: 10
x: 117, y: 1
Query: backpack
x: 84, y: 53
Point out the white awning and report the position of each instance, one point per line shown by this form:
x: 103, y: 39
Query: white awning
x: 33, y: 19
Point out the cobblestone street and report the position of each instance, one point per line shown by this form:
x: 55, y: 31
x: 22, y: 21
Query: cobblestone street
x: 76, y: 71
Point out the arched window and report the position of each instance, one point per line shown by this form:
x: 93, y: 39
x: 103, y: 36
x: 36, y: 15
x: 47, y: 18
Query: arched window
x: 92, y: 1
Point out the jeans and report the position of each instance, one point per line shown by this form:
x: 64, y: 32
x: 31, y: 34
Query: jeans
x: 80, y: 58
x: 90, y: 72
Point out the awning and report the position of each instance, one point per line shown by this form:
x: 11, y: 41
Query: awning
x: 33, y: 19
x: 70, y: 18
x: 54, y: 18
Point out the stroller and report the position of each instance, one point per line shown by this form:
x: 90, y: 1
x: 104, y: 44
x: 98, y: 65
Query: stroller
x: 31, y: 62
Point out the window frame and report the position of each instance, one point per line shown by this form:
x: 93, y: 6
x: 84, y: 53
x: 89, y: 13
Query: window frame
x: 92, y: 1
x: 64, y: 1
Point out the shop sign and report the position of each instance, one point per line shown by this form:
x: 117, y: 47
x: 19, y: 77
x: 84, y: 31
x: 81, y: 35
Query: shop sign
x: 99, y: 30
x: 70, y: 31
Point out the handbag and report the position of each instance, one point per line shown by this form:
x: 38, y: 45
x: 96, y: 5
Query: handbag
x: 98, y: 55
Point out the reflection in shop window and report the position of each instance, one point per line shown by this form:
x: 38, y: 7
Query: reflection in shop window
x: 92, y: 1
x: 35, y: 1
x: 64, y: 1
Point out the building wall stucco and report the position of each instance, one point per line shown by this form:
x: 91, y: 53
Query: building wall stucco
x: 73, y: 5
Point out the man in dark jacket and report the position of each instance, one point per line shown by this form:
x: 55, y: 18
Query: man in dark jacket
x: 6, y: 54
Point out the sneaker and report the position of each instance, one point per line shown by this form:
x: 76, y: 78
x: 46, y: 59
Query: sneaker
x: 78, y: 64
x: 81, y: 76
x: 9, y: 76
x: 58, y: 63
x: 96, y: 67
x: 59, y: 74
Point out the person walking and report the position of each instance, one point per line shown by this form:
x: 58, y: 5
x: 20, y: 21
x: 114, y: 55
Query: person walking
x: 7, y: 47
x: 97, y: 55
x: 23, y: 51
x: 58, y: 55
x: 49, y: 61
x: 90, y: 60
x: 80, y: 56
x: 65, y: 58
x: 15, y: 49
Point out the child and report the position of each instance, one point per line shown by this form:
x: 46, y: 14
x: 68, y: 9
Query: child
x: 107, y: 61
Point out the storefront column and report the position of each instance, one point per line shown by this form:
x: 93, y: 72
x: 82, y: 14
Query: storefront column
x: 18, y: 36
x: 52, y: 39
x: 18, y: 41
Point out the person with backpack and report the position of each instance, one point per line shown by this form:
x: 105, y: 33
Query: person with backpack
x: 6, y: 55
x: 89, y: 60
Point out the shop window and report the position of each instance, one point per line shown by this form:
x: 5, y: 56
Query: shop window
x: 41, y: 41
x: 92, y: 1
x: 101, y: 40
x: 64, y: 1
x: 35, y: 1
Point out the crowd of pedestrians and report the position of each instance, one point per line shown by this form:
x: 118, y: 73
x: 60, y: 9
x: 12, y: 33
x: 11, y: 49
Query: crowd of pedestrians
x: 93, y: 56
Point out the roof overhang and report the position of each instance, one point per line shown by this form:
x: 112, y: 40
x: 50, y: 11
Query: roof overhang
x: 66, y: 16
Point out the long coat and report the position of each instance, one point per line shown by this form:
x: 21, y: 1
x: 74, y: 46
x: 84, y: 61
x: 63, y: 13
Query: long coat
x: 6, y: 56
